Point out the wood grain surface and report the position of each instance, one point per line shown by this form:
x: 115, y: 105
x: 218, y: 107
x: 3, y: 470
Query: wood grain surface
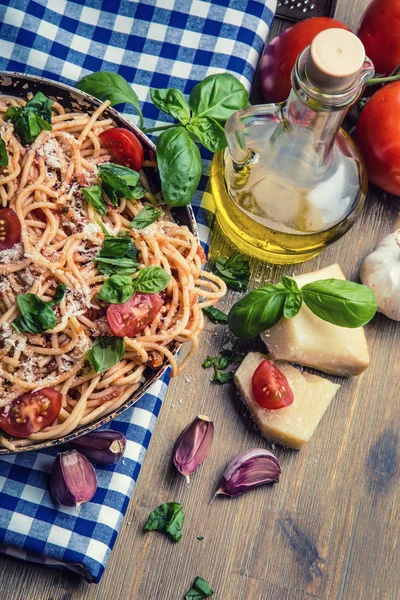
x: 329, y: 530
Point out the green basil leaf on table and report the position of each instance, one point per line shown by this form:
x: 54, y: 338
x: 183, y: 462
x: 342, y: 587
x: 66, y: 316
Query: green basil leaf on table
x: 3, y: 153
x: 94, y: 196
x: 32, y: 118
x: 290, y: 284
x: 235, y: 271
x: 215, y: 315
x: 221, y: 377
x: 199, y: 590
x: 340, y: 302
x: 179, y: 165
x: 209, y: 132
x: 110, y: 86
x: 258, y: 311
x: 218, y: 97
x: 167, y: 518
x: 106, y: 352
x: 118, y: 256
x: 229, y: 357
x: 37, y: 316
x: 151, y: 280
x: 118, y: 182
x: 172, y: 102
x: 146, y: 217
x: 292, y: 305
x: 117, y: 289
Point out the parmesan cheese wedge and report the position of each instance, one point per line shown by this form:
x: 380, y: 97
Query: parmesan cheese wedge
x: 310, y: 341
x: 293, y: 425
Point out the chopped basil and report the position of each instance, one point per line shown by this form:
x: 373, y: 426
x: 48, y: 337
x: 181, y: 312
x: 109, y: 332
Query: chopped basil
x: 94, y: 196
x: 221, y: 377
x: 37, y: 315
x: 146, y: 217
x: 221, y: 362
x: 215, y: 315
x: 120, y: 288
x: 118, y: 256
x: 106, y: 352
x: 235, y: 271
x: 120, y: 182
x: 31, y: 119
x: 199, y: 590
x: 3, y: 153
x: 167, y: 518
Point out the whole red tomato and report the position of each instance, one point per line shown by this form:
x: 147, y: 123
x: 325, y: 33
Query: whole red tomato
x: 379, y: 31
x: 281, y: 54
x: 378, y: 137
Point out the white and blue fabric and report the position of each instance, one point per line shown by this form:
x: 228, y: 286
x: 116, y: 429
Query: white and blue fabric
x: 152, y: 43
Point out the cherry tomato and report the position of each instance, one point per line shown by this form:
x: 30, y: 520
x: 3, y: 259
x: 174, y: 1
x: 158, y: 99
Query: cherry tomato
x: 379, y: 31
x: 124, y: 146
x: 281, y: 54
x: 378, y: 137
x: 270, y: 386
x: 10, y: 228
x: 132, y: 317
x: 30, y: 412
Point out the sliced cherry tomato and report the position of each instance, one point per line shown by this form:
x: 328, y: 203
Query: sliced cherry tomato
x: 30, y: 412
x: 10, y: 228
x: 270, y: 387
x: 132, y: 317
x: 124, y: 146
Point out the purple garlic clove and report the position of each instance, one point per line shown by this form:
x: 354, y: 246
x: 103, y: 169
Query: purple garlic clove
x: 73, y: 479
x: 193, y: 445
x: 248, y: 470
x: 104, y: 447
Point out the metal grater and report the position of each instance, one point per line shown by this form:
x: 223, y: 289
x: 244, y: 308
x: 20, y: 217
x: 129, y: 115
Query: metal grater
x: 298, y: 10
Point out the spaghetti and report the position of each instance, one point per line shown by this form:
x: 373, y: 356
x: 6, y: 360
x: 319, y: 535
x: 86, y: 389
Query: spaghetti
x: 60, y: 237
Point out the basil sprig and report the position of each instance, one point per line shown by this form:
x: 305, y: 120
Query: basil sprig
x: 31, y: 119
x: 110, y: 86
x: 215, y: 315
x: 3, y: 153
x: 120, y: 288
x: 146, y: 217
x: 106, y: 352
x: 117, y: 256
x: 94, y: 196
x: 37, y: 316
x: 199, y: 590
x: 235, y: 271
x: 120, y: 182
x: 340, y: 302
x: 167, y: 518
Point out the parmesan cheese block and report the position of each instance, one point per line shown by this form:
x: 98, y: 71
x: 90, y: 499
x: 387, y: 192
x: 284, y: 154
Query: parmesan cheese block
x: 293, y: 425
x: 310, y: 341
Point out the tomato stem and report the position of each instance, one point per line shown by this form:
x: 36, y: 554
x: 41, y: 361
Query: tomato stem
x: 160, y: 128
x: 378, y: 80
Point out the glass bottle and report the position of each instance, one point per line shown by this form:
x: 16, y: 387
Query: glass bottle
x: 292, y: 181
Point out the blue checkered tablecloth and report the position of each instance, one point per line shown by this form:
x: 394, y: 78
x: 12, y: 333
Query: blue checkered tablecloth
x: 152, y: 43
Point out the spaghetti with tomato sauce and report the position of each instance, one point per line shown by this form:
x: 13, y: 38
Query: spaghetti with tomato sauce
x: 50, y: 236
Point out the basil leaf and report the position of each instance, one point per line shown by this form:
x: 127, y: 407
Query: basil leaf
x: 31, y: 119
x: 37, y: 315
x: 199, y: 590
x: 172, y: 102
x: 117, y: 289
x: 235, y: 271
x: 229, y: 357
x: 41, y: 106
x: 210, y: 361
x: 257, y: 311
x: 179, y: 165
x: 146, y: 217
x: 106, y: 352
x: 221, y: 377
x: 218, y: 97
x: 209, y: 132
x: 215, y: 315
x: 117, y: 257
x: 292, y: 305
x: 110, y: 86
x: 118, y: 247
x: 290, y: 284
x: 167, y: 518
x: 118, y: 181
x: 116, y: 266
x: 94, y: 196
x: 340, y: 302
x: 3, y: 153
x: 151, y: 280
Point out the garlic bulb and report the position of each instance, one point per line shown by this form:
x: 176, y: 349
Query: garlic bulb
x: 381, y: 272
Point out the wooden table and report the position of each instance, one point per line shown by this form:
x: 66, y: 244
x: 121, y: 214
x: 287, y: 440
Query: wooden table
x: 329, y: 530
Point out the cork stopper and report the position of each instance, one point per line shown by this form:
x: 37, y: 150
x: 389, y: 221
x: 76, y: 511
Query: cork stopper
x: 335, y: 60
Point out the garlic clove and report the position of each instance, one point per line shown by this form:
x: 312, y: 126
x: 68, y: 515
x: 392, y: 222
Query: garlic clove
x: 248, y: 470
x: 193, y: 445
x: 73, y: 479
x: 104, y: 447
